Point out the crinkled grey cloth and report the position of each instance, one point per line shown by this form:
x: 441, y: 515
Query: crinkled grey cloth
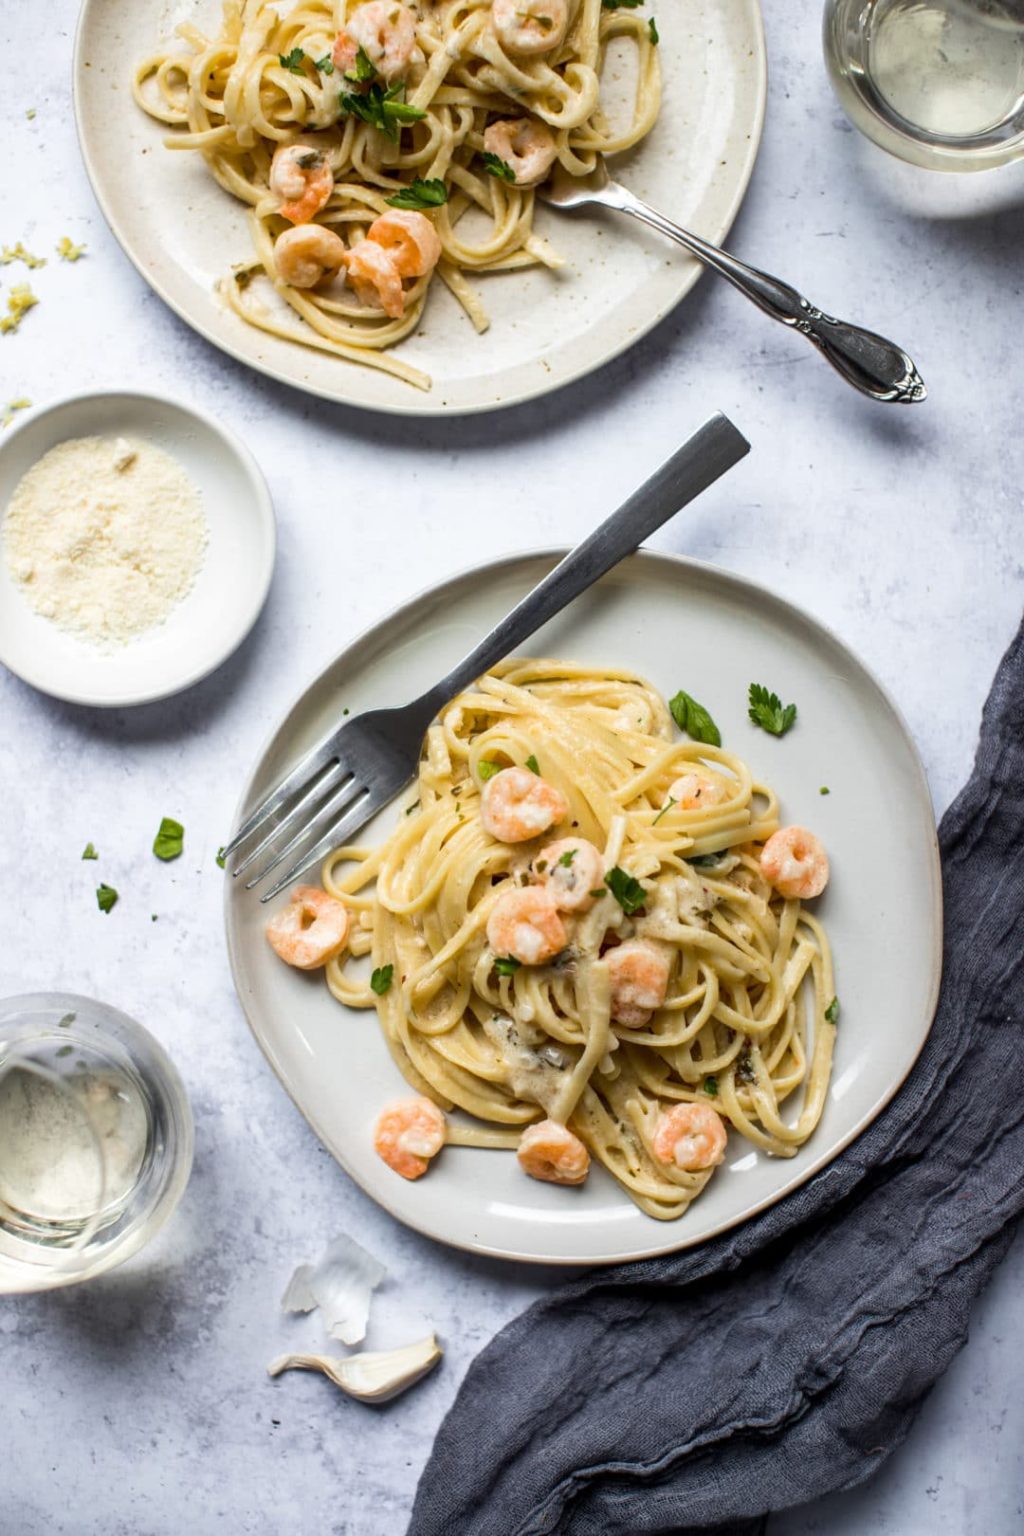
x: 787, y: 1358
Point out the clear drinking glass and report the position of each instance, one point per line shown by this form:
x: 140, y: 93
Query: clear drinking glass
x: 95, y: 1139
x: 937, y: 82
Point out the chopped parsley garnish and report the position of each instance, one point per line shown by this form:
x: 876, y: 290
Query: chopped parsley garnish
x: 824, y: 790
x: 711, y: 1087
x: 533, y: 765
x: 486, y: 769
x: 620, y: 5
x: 220, y: 858
x: 694, y: 719
x: 705, y: 861
x: 292, y: 61
x: 324, y: 65
x: 507, y: 966
x: 106, y: 897
x: 64, y: 1050
x: 626, y: 889
x: 363, y: 70
x: 381, y: 979
x: 832, y: 1011
x: 652, y: 32
x: 21, y: 404
x: 494, y: 165
x: 567, y: 857
x: 410, y: 808
x: 383, y: 109
x: 420, y: 194
x: 669, y: 803
x: 89, y: 851
x: 244, y: 275
x: 601, y: 890
x: 66, y: 1020
x: 169, y: 840
x: 767, y: 711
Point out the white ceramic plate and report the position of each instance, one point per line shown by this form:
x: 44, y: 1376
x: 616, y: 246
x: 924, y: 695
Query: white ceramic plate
x: 208, y: 624
x: 682, y: 625
x: 183, y: 232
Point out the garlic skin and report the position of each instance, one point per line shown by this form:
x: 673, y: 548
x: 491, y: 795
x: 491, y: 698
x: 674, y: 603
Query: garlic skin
x: 341, y: 1284
x: 373, y: 1376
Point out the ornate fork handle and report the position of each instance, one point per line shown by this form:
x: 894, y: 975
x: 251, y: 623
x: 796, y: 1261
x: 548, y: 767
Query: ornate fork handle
x: 869, y: 362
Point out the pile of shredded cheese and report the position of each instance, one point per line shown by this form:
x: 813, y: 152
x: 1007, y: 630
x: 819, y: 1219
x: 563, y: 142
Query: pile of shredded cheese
x: 104, y: 537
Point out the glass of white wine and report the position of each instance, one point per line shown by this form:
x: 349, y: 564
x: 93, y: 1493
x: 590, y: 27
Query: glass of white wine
x: 938, y: 82
x: 95, y: 1139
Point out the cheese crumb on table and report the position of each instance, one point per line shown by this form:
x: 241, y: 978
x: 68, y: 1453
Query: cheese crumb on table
x: 105, y: 537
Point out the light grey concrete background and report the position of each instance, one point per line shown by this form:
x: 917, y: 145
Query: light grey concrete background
x: 139, y: 1406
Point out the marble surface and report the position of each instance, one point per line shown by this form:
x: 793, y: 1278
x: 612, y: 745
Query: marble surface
x: 139, y: 1404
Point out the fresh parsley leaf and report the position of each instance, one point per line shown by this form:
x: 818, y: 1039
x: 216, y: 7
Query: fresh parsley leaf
x: 705, y: 861
x: 220, y: 858
x: 364, y: 69
x: 89, y: 851
x: 669, y: 803
x: 384, y: 109
x: 506, y: 966
x: 832, y: 1011
x: 420, y: 194
x: 106, y: 897
x: 292, y: 61
x: 169, y: 840
x: 533, y: 765
x: 567, y: 857
x: 694, y: 719
x: 494, y: 165
x: 324, y: 65
x: 486, y: 769
x: 767, y: 711
x: 711, y: 1087
x: 381, y: 979
x: 652, y: 32
x: 626, y: 889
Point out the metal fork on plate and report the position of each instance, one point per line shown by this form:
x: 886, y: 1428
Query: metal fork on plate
x: 355, y: 770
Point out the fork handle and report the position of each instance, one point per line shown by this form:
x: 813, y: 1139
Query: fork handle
x: 875, y: 366
x: 713, y: 448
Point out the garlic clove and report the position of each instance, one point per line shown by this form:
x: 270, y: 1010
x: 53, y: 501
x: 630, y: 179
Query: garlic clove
x: 373, y: 1376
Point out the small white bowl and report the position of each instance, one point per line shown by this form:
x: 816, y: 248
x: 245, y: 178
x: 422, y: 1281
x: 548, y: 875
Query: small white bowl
x: 231, y: 588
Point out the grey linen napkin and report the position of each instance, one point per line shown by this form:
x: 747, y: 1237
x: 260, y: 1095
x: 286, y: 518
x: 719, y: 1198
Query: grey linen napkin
x: 789, y: 1357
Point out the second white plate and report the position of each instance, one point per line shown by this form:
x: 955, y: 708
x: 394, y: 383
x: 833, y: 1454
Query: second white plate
x: 682, y: 625
x: 183, y: 232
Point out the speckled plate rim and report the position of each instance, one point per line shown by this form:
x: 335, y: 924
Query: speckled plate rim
x: 262, y: 511
x: 675, y: 1238
x: 419, y: 404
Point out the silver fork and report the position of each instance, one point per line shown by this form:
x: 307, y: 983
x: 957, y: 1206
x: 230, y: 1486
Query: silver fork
x: 355, y: 770
x: 876, y: 367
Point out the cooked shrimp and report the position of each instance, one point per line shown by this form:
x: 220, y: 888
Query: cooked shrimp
x: 525, y: 926
x: 526, y: 146
x: 639, y: 975
x: 307, y: 254
x: 302, y: 178
x: 795, y: 862
x: 551, y: 1152
x: 375, y: 278
x: 385, y: 31
x: 517, y: 804
x: 693, y: 790
x: 530, y: 26
x: 692, y: 1136
x: 310, y: 930
x: 409, y: 1133
x: 571, y: 870
x: 409, y: 238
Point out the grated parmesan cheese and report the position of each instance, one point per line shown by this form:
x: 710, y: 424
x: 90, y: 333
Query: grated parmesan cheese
x: 104, y: 537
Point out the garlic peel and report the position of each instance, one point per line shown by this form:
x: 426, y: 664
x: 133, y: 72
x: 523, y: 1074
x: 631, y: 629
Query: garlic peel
x: 341, y: 1285
x: 373, y: 1376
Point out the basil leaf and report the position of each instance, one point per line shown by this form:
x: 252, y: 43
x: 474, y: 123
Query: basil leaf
x: 106, y: 897
x: 381, y: 979
x: 694, y: 719
x: 169, y: 840
x: 626, y: 889
x: 420, y: 194
x: 494, y: 165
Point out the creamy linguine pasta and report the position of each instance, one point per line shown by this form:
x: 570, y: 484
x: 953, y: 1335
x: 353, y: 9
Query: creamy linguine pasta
x: 418, y: 130
x: 746, y: 1024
